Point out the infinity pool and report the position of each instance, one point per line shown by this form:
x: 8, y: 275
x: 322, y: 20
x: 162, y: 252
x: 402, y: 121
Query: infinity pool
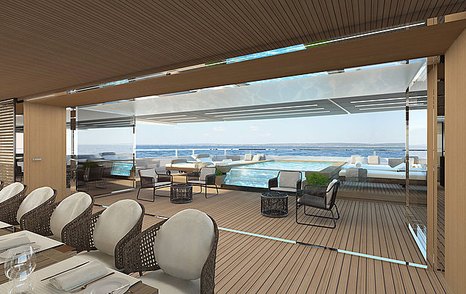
x: 257, y: 175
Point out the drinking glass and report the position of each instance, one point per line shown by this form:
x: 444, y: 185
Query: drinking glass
x: 19, y: 265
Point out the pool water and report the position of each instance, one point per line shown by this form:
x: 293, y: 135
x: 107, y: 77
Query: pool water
x: 257, y: 175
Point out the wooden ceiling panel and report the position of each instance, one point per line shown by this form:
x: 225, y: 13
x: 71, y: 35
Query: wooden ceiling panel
x: 49, y: 45
x: 393, y: 46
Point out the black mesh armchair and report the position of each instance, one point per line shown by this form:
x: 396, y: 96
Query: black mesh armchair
x: 322, y: 201
x: 286, y: 181
x: 154, y: 180
x: 205, y: 179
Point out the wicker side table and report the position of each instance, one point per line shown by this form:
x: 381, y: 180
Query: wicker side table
x: 181, y: 193
x: 274, y: 204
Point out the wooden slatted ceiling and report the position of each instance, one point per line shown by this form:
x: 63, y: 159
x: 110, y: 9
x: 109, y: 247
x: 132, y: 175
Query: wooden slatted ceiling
x: 54, y: 44
x: 393, y: 46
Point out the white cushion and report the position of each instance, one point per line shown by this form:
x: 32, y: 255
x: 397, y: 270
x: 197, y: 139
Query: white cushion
x: 283, y: 189
x: 10, y: 191
x: 183, y: 244
x: 288, y: 179
x: 67, y: 210
x: 373, y: 159
x: 328, y: 196
x: 256, y: 157
x: 148, y: 173
x: 355, y: 158
x: 205, y: 171
x: 114, y: 223
x: 33, y: 200
x: 170, y: 285
x: 247, y: 157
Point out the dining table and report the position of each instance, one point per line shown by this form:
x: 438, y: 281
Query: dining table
x: 62, y: 252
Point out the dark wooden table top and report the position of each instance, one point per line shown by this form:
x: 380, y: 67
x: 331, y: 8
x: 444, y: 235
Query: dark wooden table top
x: 57, y: 254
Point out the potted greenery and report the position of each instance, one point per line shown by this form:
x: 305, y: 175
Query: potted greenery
x: 219, y: 178
x: 316, y: 183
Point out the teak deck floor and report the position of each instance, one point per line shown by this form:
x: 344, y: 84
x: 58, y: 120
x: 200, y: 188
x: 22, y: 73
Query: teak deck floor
x: 248, y: 264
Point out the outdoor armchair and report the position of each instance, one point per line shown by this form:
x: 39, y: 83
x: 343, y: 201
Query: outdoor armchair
x: 324, y: 201
x: 104, y: 236
x: 150, y: 178
x: 177, y: 255
x: 11, y: 198
x: 286, y: 181
x: 205, y: 179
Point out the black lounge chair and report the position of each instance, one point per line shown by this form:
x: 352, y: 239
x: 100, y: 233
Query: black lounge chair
x: 324, y: 200
x: 151, y: 179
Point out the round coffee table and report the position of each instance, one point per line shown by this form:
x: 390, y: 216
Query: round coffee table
x: 181, y: 193
x: 274, y: 204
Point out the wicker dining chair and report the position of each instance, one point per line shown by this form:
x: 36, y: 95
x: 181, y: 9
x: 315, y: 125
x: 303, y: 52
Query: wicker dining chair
x: 40, y: 220
x: 83, y: 239
x: 139, y: 256
x: 36, y: 201
x: 9, y: 206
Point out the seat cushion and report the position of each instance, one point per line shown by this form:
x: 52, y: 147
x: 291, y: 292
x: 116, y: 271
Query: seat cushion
x: 10, y: 191
x: 114, y: 223
x: 283, y: 189
x: 33, y: 200
x: 68, y: 209
x: 170, y: 285
x: 107, y: 260
x: 183, y: 244
x: 197, y: 182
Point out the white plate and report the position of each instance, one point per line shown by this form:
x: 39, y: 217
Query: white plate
x: 105, y: 285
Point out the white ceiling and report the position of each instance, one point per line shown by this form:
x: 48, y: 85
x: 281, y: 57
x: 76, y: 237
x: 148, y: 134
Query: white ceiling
x: 357, y: 90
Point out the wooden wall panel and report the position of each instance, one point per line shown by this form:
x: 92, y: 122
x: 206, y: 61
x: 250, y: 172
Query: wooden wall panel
x: 432, y: 75
x: 455, y: 172
x: 45, y: 147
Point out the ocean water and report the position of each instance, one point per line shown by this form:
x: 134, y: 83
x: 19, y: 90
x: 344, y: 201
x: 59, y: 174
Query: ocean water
x: 150, y: 151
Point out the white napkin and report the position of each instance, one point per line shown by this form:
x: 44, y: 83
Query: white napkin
x: 13, y: 242
x: 79, y: 276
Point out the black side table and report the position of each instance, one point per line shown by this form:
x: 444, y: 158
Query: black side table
x: 181, y: 193
x: 274, y: 204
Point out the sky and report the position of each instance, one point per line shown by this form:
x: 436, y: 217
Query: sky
x: 375, y: 128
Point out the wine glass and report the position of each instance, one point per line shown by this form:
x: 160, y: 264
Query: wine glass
x: 19, y: 265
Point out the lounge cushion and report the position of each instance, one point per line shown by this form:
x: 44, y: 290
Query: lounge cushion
x: 373, y: 159
x: 183, y: 244
x: 67, y: 210
x: 33, y: 200
x: 10, y: 191
x: 247, y: 157
x: 168, y: 284
x: 256, y: 157
x: 355, y: 158
x: 288, y: 179
x: 114, y: 223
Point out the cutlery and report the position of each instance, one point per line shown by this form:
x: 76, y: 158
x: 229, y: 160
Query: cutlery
x: 119, y: 289
x: 82, y: 287
x: 67, y: 270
